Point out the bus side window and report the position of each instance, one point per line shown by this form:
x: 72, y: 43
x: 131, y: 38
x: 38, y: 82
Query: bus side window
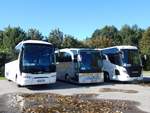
x: 67, y: 57
x: 57, y: 57
x: 76, y: 58
x: 104, y: 57
x: 63, y: 57
x: 111, y: 59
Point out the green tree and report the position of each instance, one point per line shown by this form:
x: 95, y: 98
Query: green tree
x: 145, y: 47
x: 34, y: 34
x: 70, y: 42
x: 131, y: 35
x: 12, y: 36
x: 56, y: 37
x: 99, y: 42
x: 145, y: 42
x: 1, y: 39
x: 110, y: 32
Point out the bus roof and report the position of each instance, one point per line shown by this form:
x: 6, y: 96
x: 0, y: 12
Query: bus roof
x: 116, y: 49
x: 72, y: 50
x: 19, y: 45
x: 120, y: 47
x: 35, y: 42
x: 77, y: 49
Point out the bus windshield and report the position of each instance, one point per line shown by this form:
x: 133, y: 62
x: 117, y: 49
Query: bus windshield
x: 115, y: 58
x: 131, y: 57
x: 90, y: 61
x: 38, y: 58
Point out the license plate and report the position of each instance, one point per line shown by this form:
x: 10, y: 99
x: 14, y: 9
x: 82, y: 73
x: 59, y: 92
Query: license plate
x: 41, y: 80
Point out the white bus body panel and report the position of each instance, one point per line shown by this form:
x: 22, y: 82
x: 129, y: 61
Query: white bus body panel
x: 110, y: 67
x: 36, y: 79
x: 124, y: 76
x: 11, y: 70
x: 70, y: 69
x: 12, y: 73
x: 91, y: 77
x: 63, y: 69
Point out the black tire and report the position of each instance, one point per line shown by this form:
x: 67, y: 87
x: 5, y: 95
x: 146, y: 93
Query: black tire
x: 16, y: 78
x: 106, y: 77
x: 9, y: 80
x: 67, y: 77
x: 17, y: 83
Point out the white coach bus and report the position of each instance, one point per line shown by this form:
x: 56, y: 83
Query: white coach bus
x: 79, y: 65
x: 35, y: 64
x: 122, y: 63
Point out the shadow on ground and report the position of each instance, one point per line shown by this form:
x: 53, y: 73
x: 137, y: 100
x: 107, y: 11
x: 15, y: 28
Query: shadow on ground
x: 63, y: 85
x: 68, y: 85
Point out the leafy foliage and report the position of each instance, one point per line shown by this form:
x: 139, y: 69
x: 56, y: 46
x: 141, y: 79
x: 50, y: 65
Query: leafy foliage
x: 145, y: 47
x: 12, y: 36
x: 34, y: 34
x: 70, y: 42
x: 99, y: 42
x: 100, y: 38
x: 4, y: 57
x: 108, y: 33
x: 1, y: 39
x: 131, y: 35
x: 56, y: 37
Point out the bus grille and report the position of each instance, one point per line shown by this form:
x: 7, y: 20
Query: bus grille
x: 134, y: 71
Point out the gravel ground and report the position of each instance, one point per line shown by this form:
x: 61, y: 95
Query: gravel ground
x: 55, y: 103
x: 139, y: 93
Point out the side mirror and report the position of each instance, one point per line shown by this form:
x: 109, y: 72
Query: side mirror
x: 104, y: 57
x: 144, y: 59
x: 76, y: 58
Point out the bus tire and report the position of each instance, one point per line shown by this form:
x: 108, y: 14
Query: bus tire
x: 18, y: 85
x: 9, y: 80
x: 67, y: 78
x: 106, y: 77
x: 16, y: 78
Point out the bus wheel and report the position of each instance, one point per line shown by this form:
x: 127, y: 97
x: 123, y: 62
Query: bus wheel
x: 16, y: 78
x: 9, y: 80
x: 16, y: 82
x: 67, y: 77
x: 106, y: 77
x: 18, y: 85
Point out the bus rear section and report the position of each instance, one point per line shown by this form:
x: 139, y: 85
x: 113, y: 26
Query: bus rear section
x: 122, y: 63
x: 35, y: 64
x: 79, y: 65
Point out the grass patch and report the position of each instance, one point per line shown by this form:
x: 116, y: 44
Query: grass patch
x: 2, y: 78
x: 146, y: 73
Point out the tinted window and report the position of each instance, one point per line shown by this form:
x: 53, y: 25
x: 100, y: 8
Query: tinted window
x: 131, y: 57
x: 90, y: 61
x: 115, y: 58
x: 63, y: 57
x: 37, y: 57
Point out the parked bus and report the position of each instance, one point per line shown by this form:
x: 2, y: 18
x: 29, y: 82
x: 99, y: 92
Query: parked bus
x: 79, y: 65
x: 122, y: 63
x: 35, y: 64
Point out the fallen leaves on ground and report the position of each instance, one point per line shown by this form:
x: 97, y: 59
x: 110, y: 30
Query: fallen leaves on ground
x: 54, y: 103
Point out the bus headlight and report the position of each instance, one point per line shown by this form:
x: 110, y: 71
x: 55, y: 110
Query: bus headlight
x: 125, y: 71
x: 28, y: 77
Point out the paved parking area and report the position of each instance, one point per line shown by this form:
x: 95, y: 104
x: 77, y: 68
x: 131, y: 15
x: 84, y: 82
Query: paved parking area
x: 115, y: 90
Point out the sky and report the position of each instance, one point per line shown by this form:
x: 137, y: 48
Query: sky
x: 79, y: 18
